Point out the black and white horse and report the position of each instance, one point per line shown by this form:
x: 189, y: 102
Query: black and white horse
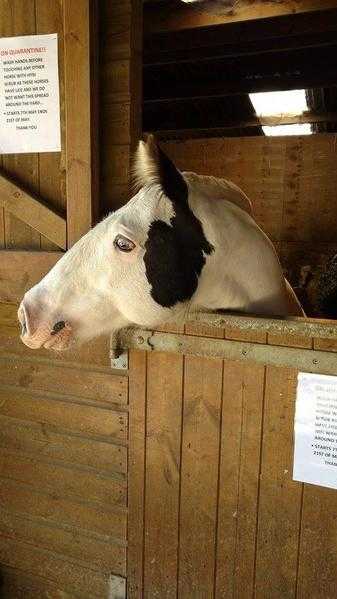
x: 183, y: 243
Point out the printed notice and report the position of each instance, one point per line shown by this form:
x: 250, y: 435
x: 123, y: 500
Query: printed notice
x: 29, y: 94
x: 315, y: 457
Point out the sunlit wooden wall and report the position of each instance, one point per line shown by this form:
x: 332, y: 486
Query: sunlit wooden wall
x: 213, y: 509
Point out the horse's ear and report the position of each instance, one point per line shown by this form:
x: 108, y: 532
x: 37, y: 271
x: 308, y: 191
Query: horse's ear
x: 152, y: 166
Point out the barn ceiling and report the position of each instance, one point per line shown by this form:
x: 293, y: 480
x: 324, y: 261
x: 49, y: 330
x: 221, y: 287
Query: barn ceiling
x: 200, y: 80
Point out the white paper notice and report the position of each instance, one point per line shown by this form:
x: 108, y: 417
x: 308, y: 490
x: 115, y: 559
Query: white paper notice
x: 29, y: 94
x: 315, y: 457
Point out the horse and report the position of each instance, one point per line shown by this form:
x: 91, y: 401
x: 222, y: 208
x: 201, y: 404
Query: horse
x: 184, y: 243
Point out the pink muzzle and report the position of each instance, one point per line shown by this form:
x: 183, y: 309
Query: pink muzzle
x: 37, y: 332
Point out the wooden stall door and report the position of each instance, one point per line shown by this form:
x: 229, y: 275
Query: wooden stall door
x: 213, y: 509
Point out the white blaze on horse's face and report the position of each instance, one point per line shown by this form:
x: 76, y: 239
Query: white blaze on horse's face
x: 140, y: 265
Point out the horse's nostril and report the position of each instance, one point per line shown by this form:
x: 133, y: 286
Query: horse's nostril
x: 58, y: 327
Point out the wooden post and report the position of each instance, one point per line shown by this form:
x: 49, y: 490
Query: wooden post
x: 78, y: 130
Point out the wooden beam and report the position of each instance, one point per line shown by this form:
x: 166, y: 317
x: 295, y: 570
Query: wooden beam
x: 306, y: 360
x: 177, y: 16
x: 78, y: 88
x: 270, y: 121
x: 32, y: 211
x: 296, y: 69
x: 20, y: 270
x: 243, y: 37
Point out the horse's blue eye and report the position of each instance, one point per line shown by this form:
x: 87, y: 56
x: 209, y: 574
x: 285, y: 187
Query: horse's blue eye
x: 124, y: 244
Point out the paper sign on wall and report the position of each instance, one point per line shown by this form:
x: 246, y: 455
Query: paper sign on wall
x: 315, y: 457
x: 29, y: 94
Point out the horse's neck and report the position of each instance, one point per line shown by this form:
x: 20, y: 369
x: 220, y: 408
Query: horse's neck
x: 218, y: 189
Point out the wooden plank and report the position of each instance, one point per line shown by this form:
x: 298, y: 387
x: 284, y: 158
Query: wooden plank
x: 31, y: 210
x: 17, y: 19
x: 90, y: 519
x: 178, y: 17
x: 121, y: 96
x: 94, y: 354
x: 136, y: 473
x: 75, y: 578
x: 239, y: 481
x: 279, y: 512
x: 40, y: 440
x: 77, y: 74
x: 19, y: 271
x: 241, y: 38
x: 70, y: 417
x: 270, y: 121
x: 20, y: 585
x: 199, y: 476
x: 70, y: 482
x: 52, y: 175
x: 202, y: 330
x: 289, y: 340
x: 250, y: 336
x: 317, y: 562
x: 99, y: 387
x: 90, y: 552
x: 163, y: 441
x: 325, y: 344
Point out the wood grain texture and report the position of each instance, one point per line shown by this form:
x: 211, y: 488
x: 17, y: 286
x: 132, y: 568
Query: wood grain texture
x: 121, y: 74
x: 32, y: 211
x: 99, y: 555
x: 136, y: 473
x: 97, y: 387
x: 76, y: 417
x: 241, y: 433
x: 77, y: 75
x: 174, y: 18
x: 290, y: 180
x: 18, y: 19
x: 19, y: 271
x: 199, y: 476
x: 93, y: 355
x: 39, y: 439
x: 163, y: 442
x: 19, y: 584
x: 223, y: 516
x: 279, y: 513
x: 46, y: 564
x: 52, y: 175
x: 73, y: 483
x: 44, y: 506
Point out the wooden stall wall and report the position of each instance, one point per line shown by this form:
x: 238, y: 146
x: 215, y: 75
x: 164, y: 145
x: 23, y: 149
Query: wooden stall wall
x: 63, y: 465
x: 120, y: 97
x: 291, y: 181
x: 63, y: 420
x: 46, y: 199
x: 213, y: 509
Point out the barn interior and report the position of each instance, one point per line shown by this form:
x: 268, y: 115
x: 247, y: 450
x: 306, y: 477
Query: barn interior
x: 170, y: 473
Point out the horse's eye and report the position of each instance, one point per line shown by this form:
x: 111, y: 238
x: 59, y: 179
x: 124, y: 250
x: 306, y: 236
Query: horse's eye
x: 124, y: 244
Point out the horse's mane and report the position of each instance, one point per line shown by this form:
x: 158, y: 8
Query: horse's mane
x: 219, y: 189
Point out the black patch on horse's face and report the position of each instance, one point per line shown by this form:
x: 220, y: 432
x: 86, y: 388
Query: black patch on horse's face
x: 174, y: 254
